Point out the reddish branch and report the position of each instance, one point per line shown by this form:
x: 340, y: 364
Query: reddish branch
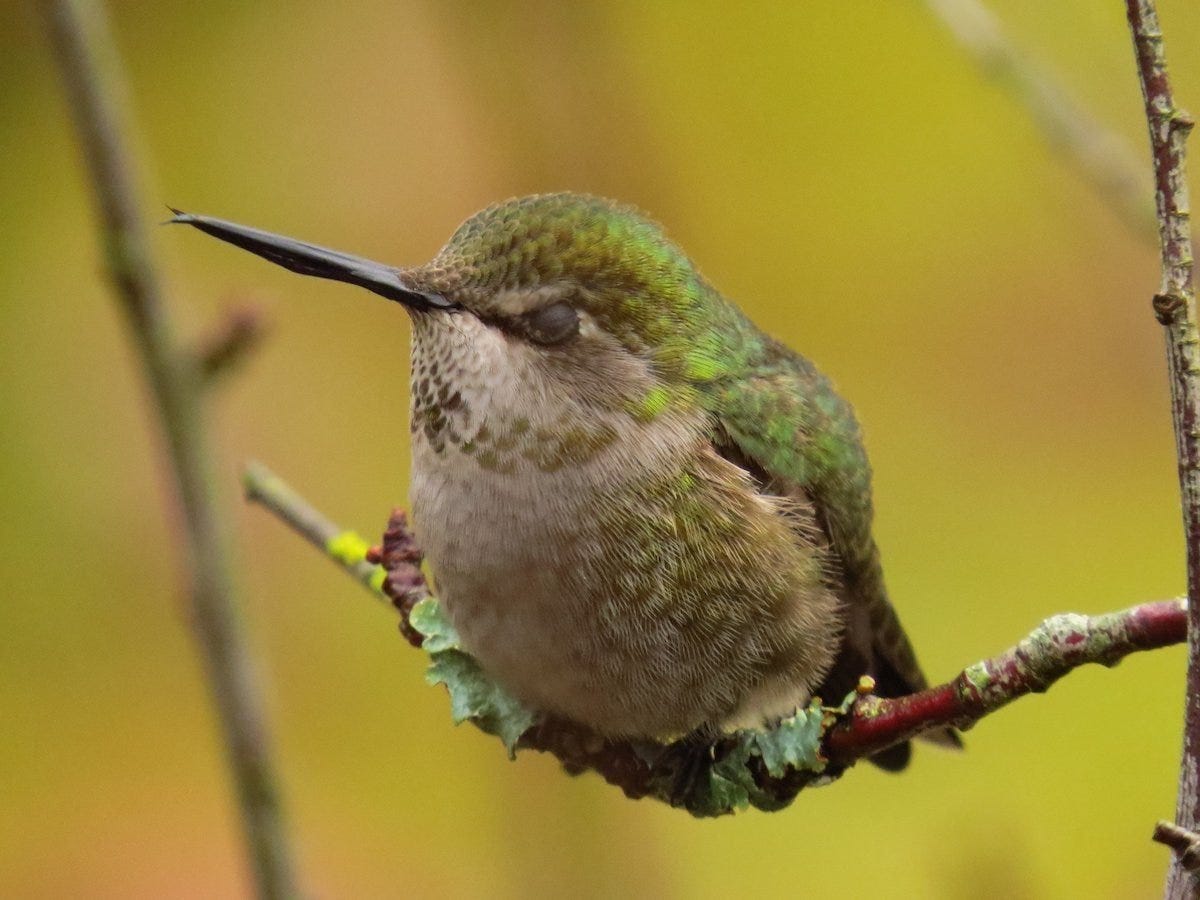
x: 1057, y: 646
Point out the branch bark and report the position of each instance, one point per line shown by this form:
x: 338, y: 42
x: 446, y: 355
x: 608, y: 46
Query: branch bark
x: 1062, y: 643
x: 84, y: 53
x: 1175, y: 307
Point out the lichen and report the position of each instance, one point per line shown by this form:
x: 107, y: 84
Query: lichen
x: 473, y: 696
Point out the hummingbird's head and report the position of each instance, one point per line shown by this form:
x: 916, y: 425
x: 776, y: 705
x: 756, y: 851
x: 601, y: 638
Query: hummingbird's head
x: 579, y: 300
x: 592, y: 289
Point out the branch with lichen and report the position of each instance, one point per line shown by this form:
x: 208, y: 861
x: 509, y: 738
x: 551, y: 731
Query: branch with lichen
x: 1059, y: 645
x: 765, y: 769
x: 1175, y: 306
x: 178, y: 380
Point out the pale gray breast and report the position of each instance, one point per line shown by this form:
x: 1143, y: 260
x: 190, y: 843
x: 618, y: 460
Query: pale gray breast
x: 521, y: 555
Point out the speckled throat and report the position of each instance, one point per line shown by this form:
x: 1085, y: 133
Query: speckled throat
x: 604, y: 565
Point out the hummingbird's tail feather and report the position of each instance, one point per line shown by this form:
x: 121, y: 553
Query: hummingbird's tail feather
x: 897, y: 672
x: 875, y: 643
x: 947, y: 738
x: 893, y: 759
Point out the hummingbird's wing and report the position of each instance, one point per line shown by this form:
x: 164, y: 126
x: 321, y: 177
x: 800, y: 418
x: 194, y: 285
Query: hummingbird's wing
x: 784, y: 423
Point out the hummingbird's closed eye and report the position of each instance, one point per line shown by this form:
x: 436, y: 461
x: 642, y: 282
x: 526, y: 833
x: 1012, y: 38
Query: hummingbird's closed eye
x: 552, y: 324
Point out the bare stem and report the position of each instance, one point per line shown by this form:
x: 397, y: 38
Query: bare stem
x: 91, y: 73
x: 1175, y: 306
x: 347, y: 549
x: 1102, y: 156
x: 1186, y: 844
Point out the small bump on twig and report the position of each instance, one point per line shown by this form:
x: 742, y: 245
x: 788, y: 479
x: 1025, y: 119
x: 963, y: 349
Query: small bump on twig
x: 1185, y: 843
x: 231, y: 343
x: 1166, y: 307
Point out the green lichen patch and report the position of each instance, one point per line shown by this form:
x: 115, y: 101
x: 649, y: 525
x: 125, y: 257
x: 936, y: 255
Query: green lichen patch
x: 795, y: 743
x: 473, y: 695
x: 791, y: 746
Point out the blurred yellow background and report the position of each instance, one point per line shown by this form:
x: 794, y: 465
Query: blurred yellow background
x: 843, y: 171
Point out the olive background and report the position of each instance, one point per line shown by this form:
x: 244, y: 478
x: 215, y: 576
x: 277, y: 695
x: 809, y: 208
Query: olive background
x: 844, y: 171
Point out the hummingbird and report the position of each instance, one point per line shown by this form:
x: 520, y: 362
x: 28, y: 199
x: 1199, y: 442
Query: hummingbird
x: 640, y: 512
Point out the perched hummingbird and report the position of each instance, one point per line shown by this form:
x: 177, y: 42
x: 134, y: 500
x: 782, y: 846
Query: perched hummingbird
x: 640, y: 512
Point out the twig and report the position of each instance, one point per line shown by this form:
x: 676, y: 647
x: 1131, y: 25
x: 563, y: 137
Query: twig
x: 1060, y: 644
x: 1104, y: 158
x: 90, y: 70
x: 239, y: 333
x: 1175, y: 306
x: 346, y: 548
x: 399, y: 581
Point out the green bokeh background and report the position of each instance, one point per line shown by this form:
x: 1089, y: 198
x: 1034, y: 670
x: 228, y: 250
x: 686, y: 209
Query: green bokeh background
x: 840, y: 169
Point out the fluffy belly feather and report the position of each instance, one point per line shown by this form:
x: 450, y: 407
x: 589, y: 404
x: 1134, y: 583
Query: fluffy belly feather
x: 640, y: 602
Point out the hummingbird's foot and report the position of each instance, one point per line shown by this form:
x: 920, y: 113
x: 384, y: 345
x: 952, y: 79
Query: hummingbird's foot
x: 685, y: 767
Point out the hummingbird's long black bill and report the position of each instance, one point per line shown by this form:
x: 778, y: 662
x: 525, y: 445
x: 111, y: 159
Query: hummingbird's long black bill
x: 321, y: 262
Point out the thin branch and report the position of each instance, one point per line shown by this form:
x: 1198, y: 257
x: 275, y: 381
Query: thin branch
x: 1104, y: 158
x: 1175, y: 306
x: 347, y: 549
x: 399, y: 581
x: 1176, y: 309
x: 225, y: 349
x: 84, y: 53
x: 1061, y: 644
